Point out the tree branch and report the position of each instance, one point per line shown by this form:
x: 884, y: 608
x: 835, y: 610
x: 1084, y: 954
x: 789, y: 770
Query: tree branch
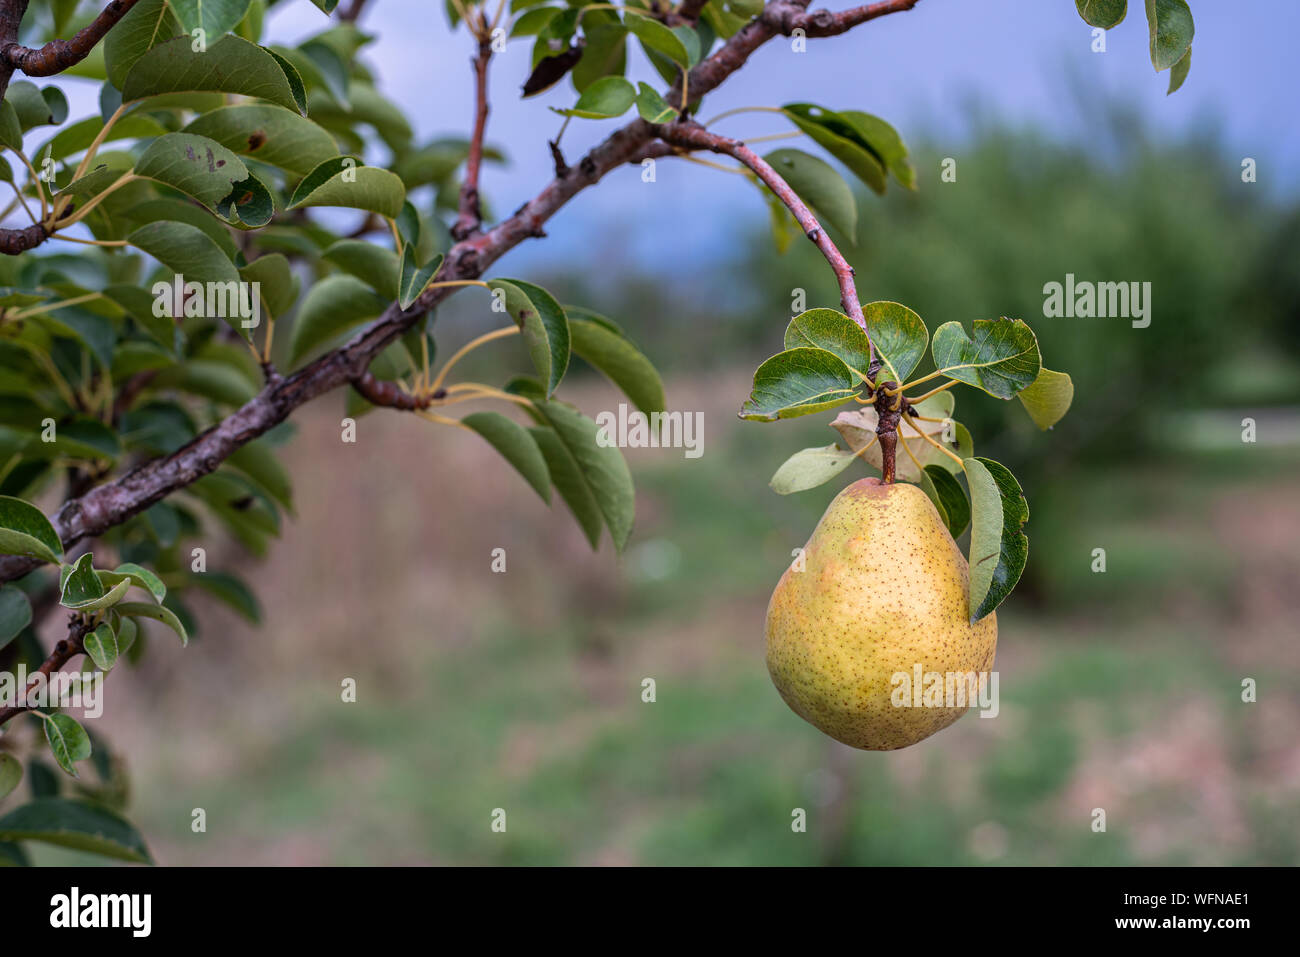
x: 352, y: 13
x: 693, y: 136
x: 828, y: 23
x: 387, y: 394
x: 67, y: 649
x: 470, y: 214
x: 58, y: 55
x: 114, y: 502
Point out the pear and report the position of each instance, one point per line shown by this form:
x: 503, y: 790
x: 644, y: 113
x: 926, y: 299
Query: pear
x: 881, y: 588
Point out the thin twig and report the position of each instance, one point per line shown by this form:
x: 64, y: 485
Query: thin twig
x: 694, y: 136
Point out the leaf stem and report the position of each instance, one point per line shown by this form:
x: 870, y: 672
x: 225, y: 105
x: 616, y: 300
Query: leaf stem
x: 97, y: 142
x: 468, y: 348
x: 744, y: 109
x: 81, y: 213
x: 474, y: 390
x: 442, y: 419
x: 51, y: 306
x: 942, y: 388
x: 952, y: 455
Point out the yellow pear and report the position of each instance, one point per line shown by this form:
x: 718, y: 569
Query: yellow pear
x: 881, y: 588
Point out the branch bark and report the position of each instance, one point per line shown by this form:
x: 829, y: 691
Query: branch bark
x: 67, y: 649
x: 114, y: 502
x: 470, y: 216
x: 57, y: 55
x: 828, y: 23
x: 694, y: 136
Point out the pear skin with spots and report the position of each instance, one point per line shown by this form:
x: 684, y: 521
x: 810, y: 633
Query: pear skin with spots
x: 883, y: 588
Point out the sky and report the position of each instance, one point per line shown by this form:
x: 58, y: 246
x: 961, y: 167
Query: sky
x: 920, y: 70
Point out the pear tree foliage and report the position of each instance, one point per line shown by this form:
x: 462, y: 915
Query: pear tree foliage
x: 243, y: 225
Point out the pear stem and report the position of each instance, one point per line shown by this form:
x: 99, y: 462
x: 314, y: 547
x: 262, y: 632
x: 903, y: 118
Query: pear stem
x: 888, y: 414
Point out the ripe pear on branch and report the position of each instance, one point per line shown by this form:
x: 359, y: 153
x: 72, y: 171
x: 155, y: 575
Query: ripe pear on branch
x: 880, y: 588
x: 881, y: 597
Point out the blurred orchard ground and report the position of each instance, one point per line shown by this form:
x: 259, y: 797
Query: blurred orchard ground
x: 521, y: 690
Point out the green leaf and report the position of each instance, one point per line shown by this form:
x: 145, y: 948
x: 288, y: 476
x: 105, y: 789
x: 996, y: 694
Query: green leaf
x: 517, y: 445
x: 233, y: 592
x: 34, y: 106
x: 258, y: 462
x: 80, y: 825
x: 139, y: 609
x: 809, y: 468
x: 841, y: 139
x: 82, y: 589
x: 652, y: 107
x: 270, y: 134
x: 377, y: 266
x: 833, y: 331
x: 11, y: 773
x: 138, y: 576
x: 605, y: 53
x: 75, y: 138
x: 68, y: 741
x: 613, y: 354
x: 1102, y: 13
x: 15, y: 613
x: 568, y: 481
x: 656, y: 36
x: 1170, y: 25
x: 899, y: 336
x: 278, y: 286
x: 343, y: 181
x: 798, y: 382
x: 185, y: 250
x: 24, y: 530
x: 820, y: 186
x: 544, y: 325
x: 1048, y: 397
x: 231, y: 65
x: 601, y: 468
x: 332, y: 306
x: 883, y: 140
x: 1178, y: 73
x: 11, y: 132
x: 1001, y: 359
x: 197, y: 166
x: 213, y: 17
x: 607, y: 97
x: 948, y: 497
x: 147, y: 24
x: 101, y: 646
x: 83, y: 437
x: 998, y: 547
x: 414, y: 280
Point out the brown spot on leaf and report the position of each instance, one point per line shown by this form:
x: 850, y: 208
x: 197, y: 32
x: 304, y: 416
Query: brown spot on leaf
x: 257, y: 139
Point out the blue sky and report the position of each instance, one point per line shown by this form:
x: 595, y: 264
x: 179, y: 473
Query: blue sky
x: 919, y: 70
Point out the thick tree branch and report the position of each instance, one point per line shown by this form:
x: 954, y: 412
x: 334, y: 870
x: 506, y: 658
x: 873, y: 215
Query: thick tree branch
x: 114, y: 502
x: 693, y: 136
x: 58, y: 55
x: 11, y: 18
